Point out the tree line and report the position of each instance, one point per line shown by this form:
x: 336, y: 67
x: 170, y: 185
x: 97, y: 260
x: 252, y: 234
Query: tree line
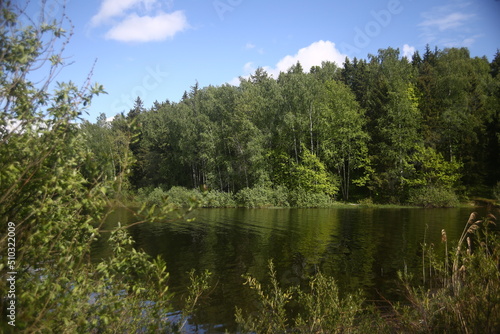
x: 388, y: 128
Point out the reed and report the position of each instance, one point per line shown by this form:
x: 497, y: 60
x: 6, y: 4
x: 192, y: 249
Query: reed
x: 467, y: 296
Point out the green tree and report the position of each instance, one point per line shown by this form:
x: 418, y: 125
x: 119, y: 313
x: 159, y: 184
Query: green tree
x: 462, y: 88
x: 344, y: 142
x: 298, y: 110
x: 100, y: 141
x: 312, y: 175
x: 397, y: 122
x: 432, y: 170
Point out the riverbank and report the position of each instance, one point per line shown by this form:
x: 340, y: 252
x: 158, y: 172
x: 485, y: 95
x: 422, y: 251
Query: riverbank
x: 280, y: 197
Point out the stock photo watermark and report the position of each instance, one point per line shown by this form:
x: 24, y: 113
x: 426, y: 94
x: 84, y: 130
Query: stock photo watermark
x: 151, y: 81
x: 224, y: 6
x: 363, y: 36
x: 50, y: 9
x: 11, y: 274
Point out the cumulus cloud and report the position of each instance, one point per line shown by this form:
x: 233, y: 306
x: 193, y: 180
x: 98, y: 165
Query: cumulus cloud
x: 139, y: 20
x: 113, y: 8
x: 136, y: 28
x: 408, y: 51
x: 312, y: 55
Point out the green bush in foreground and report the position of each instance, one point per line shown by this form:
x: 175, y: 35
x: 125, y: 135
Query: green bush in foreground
x: 54, y: 205
x: 318, y: 308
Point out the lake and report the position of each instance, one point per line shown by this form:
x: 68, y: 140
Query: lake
x: 363, y: 248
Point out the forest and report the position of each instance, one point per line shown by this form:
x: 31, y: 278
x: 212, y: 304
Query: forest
x: 385, y: 129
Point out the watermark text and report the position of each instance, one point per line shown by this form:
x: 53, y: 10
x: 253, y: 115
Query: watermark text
x: 11, y: 275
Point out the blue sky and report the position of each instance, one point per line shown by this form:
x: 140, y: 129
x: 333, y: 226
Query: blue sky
x: 157, y: 49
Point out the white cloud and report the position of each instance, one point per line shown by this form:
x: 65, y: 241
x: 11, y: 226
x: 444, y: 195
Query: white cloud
x: 136, y: 28
x: 139, y: 20
x: 312, y: 55
x: 450, y: 21
x: 249, y: 68
x: 113, y: 8
x: 449, y: 25
x: 250, y: 46
x: 408, y: 51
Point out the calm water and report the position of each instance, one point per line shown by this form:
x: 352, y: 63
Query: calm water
x: 361, y: 248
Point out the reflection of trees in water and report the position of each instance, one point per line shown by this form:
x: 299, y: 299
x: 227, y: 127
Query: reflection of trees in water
x: 360, y: 248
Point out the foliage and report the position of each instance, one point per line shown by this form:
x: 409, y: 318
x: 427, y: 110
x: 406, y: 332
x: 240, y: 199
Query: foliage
x: 181, y: 197
x: 57, y: 199
x: 157, y: 196
x: 433, y: 197
x: 377, y: 128
x: 271, y: 314
x: 433, y: 170
x: 312, y: 176
x: 319, y: 308
x: 344, y: 145
x: 217, y: 199
x: 261, y: 196
x: 465, y: 297
x: 302, y: 198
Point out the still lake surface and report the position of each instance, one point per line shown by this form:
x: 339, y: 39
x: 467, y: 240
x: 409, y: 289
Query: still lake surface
x: 363, y: 248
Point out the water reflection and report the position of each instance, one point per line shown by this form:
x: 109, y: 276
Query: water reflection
x: 361, y: 248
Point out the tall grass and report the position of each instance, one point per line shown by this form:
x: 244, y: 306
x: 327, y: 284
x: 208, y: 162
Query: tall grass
x: 460, y: 294
x: 463, y: 293
x: 318, y: 307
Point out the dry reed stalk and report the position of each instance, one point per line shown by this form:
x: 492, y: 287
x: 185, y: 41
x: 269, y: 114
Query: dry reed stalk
x: 444, y: 239
x: 423, y: 252
x: 455, y: 270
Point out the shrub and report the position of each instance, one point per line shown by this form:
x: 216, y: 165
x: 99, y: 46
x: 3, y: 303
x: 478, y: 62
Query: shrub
x: 56, y: 205
x: 321, y: 309
x: 307, y: 199
x: 218, y: 199
x: 182, y: 197
x: 262, y: 196
x: 156, y: 196
x: 433, y: 197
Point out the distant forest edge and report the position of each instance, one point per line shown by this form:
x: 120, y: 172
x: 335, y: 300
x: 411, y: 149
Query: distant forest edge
x: 387, y: 129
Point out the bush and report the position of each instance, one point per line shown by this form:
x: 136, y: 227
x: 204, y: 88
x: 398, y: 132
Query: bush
x: 55, y: 201
x: 322, y: 309
x: 307, y: 199
x: 218, y: 199
x: 262, y: 196
x: 156, y: 196
x: 182, y: 197
x: 433, y: 197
